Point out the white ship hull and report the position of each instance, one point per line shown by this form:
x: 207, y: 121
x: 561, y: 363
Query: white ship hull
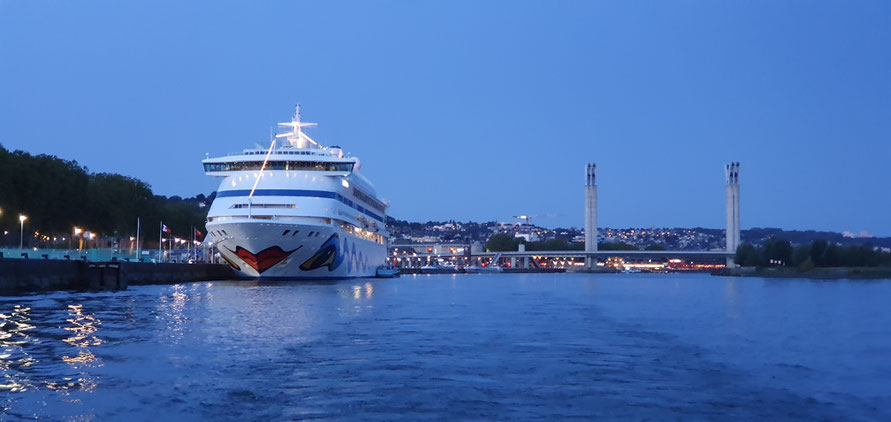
x: 268, y: 250
x: 297, y: 210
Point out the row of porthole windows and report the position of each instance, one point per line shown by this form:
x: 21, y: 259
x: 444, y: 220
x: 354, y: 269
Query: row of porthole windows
x: 294, y: 233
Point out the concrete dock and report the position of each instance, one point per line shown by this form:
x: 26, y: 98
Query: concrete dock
x: 19, y: 276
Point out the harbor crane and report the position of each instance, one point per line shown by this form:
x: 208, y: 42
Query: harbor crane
x: 524, y: 217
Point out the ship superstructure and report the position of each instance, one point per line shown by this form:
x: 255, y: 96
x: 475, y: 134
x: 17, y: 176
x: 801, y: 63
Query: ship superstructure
x: 295, y: 210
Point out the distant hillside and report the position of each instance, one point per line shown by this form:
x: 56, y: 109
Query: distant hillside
x: 57, y: 195
x: 759, y: 235
x: 674, y: 238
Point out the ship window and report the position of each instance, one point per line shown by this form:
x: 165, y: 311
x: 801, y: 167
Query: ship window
x: 310, y: 234
x: 279, y: 165
x: 295, y: 233
x: 285, y: 233
x: 369, y: 200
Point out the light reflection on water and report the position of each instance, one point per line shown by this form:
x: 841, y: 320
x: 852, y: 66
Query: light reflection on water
x: 365, y: 290
x: 23, y: 372
x: 13, y: 358
x: 466, y: 347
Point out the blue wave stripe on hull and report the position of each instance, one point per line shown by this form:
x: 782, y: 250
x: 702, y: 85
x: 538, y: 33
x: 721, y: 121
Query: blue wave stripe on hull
x: 306, y: 193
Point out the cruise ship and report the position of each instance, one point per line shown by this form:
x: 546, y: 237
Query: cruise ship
x: 296, y: 210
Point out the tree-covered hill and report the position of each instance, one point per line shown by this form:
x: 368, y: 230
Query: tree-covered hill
x: 57, y: 195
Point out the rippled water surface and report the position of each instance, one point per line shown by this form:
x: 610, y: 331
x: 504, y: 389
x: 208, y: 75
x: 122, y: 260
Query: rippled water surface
x: 476, y: 346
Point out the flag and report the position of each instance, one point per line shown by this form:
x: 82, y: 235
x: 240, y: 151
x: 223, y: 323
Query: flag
x: 198, y: 234
x: 165, y: 229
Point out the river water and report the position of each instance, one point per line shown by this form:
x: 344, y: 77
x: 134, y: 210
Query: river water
x: 457, y: 347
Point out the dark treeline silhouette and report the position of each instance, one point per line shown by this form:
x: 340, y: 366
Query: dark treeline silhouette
x: 615, y: 246
x: 758, y: 235
x: 819, y: 253
x: 502, y: 242
x: 56, y: 195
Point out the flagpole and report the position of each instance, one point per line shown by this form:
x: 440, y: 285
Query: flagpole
x: 137, y: 239
x: 160, y: 241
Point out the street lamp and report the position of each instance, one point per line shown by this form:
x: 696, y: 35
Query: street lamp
x: 22, y: 219
x: 77, y: 231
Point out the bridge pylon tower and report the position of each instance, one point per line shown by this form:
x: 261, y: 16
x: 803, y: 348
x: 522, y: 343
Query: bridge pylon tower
x: 731, y: 172
x: 590, y: 213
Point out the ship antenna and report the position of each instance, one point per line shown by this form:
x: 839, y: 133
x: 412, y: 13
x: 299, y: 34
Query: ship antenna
x: 296, y: 135
x: 297, y: 127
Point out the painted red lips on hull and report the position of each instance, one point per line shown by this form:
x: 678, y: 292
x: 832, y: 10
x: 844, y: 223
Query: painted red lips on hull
x: 263, y: 260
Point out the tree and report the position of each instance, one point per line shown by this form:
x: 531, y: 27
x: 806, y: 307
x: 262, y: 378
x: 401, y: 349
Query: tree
x: 114, y: 202
x: 777, y: 251
x: 831, y: 256
x: 800, y: 254
x: 807, y: 265
x: 818, y: 249
x: 554, y: 245
x: 654, y: 247
x: 501, y: 242
x: 616, y: 246
x: 747, y: 255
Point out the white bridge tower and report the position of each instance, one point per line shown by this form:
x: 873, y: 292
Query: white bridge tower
x: 590, y: 213
x: 732, y: 178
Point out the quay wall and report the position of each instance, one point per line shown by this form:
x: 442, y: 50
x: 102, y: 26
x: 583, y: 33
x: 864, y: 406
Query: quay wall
x: 19, y: 276
x: 139, y: 273
x: 32, y: 275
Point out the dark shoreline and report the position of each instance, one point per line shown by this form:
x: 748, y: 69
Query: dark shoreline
x: 461, y: 271
x: 24, y: 276
x: 829, y: 273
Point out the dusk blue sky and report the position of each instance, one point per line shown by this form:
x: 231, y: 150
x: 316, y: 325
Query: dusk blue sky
x: 480, y: 110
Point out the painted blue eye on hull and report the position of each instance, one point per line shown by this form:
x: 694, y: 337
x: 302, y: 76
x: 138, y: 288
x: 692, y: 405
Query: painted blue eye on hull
x: 328, y: 255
